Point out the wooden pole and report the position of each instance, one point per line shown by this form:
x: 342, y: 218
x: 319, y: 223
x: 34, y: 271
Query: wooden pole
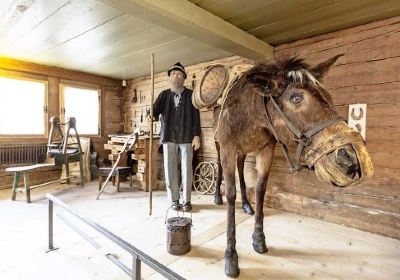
x: 151, y: 137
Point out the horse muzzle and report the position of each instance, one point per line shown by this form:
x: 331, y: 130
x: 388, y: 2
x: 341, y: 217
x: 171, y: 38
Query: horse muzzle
x: 339, y: 157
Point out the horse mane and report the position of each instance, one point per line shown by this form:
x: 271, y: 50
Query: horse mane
x: 297, y: 71
x: 294, y: 70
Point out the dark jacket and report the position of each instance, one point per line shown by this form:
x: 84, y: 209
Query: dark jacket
x: 178, y: 125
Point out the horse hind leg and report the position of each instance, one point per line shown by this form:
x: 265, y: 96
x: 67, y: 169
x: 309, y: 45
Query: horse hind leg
x: 264, y: 161
x: 246, y: 206
x: 217, y: 195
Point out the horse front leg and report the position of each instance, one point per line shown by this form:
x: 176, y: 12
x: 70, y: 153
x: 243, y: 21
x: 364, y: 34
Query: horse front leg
x: 231, y: 257
x: 264, y: 162
x: 246, y: 206
x: 217, y: 195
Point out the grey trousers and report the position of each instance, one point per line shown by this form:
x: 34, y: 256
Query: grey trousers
x: 172, y: 154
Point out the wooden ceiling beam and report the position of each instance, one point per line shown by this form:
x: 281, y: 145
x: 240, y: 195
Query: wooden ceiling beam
x: 194, y: 22
x: 9, y: 64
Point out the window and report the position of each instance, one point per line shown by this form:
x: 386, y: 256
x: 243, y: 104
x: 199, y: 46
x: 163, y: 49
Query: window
x: 84, y: 105
x: 23, y: 106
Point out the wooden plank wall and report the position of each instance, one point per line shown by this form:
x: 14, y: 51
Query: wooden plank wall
x: 133, y: 110
x: 112, y: 102
x: 369, y: 72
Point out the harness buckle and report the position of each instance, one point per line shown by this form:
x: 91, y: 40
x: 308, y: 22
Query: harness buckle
x: 305, y: 141
x: 294, y: 170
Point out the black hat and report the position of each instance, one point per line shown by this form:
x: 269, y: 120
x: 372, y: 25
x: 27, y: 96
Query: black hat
x: 178, y: 66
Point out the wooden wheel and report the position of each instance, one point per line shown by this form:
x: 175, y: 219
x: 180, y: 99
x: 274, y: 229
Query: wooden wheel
x: 215, y: 166
x: 204, y: 177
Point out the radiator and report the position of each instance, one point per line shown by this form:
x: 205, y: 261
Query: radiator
x: 21, y: 153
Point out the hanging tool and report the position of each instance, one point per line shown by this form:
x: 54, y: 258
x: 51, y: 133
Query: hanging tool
x: 193, y: 82
x: 134, y: 97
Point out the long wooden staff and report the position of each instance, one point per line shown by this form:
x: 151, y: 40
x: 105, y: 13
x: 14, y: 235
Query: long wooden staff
x: 151, y: 137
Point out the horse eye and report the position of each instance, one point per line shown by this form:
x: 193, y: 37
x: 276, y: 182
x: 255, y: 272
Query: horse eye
x: 268, y: 86
x: 296, y: 98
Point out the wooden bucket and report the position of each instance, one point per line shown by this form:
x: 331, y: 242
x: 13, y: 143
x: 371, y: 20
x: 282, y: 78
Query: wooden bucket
x: 178, y: 235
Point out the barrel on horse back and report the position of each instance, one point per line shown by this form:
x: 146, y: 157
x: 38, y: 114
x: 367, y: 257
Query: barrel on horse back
x: 211, y: 86
x: 179, y: 235
x: 215, y: 82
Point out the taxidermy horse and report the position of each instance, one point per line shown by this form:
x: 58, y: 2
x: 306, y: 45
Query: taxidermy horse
x: 246, y: 206
x: 284, y: 102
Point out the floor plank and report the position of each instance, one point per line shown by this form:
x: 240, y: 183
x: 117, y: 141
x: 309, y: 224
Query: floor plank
x: 299, y: 247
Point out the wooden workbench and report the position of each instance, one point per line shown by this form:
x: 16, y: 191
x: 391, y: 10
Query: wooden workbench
x: 140, y: 153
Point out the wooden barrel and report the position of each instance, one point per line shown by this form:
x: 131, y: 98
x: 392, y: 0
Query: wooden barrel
x: 211, y: 86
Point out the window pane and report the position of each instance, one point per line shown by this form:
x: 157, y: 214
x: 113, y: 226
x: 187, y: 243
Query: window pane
x: 83, y: 104
x: 21, y: 107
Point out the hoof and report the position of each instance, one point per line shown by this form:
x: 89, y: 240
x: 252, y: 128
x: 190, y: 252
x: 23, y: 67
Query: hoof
x: 247, y: 208
x: 260, y: 247
x: 231, y: 265
x: 218, y: 200
x: 259, y: 243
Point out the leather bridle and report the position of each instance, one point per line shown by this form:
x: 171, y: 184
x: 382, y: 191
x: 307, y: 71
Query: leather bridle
x: 304, y: 139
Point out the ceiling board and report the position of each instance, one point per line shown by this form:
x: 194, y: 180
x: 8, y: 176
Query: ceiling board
x: 230, y: 10
x: 138, y: 38
x: 181, y: 49
x: 17, y: 22
x: 194, y: 22
x: 112, y: 38
x: 274, y: 11
x: 319, y: 20
x: 68, y: 24
x: 281, y: 21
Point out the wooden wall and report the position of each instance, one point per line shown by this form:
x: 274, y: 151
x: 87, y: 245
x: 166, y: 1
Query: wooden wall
x: 133, y: 110
x: 369, y: 72
x: 112, y: 102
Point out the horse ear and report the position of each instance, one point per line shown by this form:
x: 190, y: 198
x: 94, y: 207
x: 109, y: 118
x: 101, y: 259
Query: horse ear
x: 263, y: 83
x: 321, y: 69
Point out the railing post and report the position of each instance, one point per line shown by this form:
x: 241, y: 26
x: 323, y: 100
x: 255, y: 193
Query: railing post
x: 136, y: 268
x: 50, y: 221
x: 51, y: 245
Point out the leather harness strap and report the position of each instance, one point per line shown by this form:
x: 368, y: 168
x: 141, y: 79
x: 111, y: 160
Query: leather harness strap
x: 303, y: 139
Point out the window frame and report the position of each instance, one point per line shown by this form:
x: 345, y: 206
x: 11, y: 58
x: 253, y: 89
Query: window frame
x: 80, y: 85
x: 45, y: 108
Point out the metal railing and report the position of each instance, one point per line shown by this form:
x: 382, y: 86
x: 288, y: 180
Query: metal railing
x: 137, y: 256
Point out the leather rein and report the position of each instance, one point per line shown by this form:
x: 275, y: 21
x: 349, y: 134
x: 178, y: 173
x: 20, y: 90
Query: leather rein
x: 303, y: 139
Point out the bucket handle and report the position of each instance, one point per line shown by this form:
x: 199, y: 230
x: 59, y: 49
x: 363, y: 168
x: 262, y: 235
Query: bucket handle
x: 177, y: 213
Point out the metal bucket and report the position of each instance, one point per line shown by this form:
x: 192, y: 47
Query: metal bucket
x: 178, y: 235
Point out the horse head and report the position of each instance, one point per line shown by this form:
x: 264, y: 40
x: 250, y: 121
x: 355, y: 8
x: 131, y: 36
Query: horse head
x: 299, y: 113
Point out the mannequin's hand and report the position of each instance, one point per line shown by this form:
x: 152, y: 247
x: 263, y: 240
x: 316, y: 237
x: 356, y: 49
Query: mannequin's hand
x: 139, y: 131
x: 196, y: 143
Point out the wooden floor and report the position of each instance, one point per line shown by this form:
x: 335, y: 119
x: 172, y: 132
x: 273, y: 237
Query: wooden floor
x: 299, y: 247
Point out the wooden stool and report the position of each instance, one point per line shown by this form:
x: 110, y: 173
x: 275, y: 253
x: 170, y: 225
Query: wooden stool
x: 119, y: 171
